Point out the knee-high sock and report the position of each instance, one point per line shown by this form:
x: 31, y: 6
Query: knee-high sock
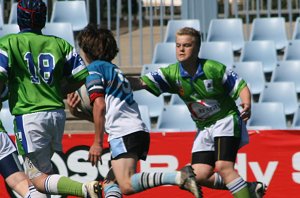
x: 61, y: 185
x: 142, y: 181
x: 238, y: 188
x: 112, y: 191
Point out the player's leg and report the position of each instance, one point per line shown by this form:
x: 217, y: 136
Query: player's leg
x: 225, y: 153
x: 125, y: 153
x: 11, y: 169
x: 42, y: 134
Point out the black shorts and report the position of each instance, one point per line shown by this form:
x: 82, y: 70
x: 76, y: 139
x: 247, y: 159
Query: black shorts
x: 226, y: 149
x: 135, y: 143
x: 10, y: 165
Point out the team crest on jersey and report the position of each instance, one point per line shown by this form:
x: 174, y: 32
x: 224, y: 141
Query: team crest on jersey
x: 209, y: 85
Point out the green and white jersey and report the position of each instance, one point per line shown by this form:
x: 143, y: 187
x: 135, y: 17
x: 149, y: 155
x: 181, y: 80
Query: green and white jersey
x: 210, y: 94
x: 33, y: 66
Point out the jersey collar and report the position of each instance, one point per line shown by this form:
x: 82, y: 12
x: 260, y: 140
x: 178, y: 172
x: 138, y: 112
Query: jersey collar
x: 37, y: 31
x: 185, y: 74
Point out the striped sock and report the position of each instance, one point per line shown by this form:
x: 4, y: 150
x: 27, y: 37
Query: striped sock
x: 33, y: 192
x: 238, y: 188
x: 112, y: 191
x: 142, y: 181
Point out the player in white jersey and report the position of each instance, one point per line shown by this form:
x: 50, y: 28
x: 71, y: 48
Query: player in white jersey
x: 116, y: 112
x: 10, y: 167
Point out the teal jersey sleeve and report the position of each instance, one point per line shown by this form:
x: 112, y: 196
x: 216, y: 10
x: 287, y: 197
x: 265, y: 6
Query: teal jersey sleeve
x: 34, y: 66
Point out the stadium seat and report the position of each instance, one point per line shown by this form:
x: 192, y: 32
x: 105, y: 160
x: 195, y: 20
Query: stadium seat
x: 1, y: 17
x: 147, y: 68
x: 272, y: 28
x: 155, y: 104
x: 13, y: 14
x: 292, y: 50
x: 220, y: 51
x: 296, y: 119
x: 6, y: 118
x: 252, y: 73
x: 164, y: 53
x: 284, y: 92
x: 175, y: 118
x: 287, y: 71
x: 176, y: 100
x: 62, y: 30
x: 144, y: 110
x: 174, y: 25
x: 262, y: 51
x: 296, y: 31
x: 267, y: 115
x: 230, y: 29
x: 9, y: 29
x: 73, y: 12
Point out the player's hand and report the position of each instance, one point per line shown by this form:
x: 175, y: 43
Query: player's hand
x: 246, y: 111
x: 73, y: 100
x: 95, y: 154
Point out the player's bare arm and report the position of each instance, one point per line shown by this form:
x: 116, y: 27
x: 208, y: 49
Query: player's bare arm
x: 245, y: 96
x: 99, y: 110
x: 73, y: 102
x: 136, y: 83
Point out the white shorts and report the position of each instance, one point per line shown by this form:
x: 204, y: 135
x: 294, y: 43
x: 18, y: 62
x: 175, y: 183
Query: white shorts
x: 39, y: 135
x: 226, y: 127
x: 6, y: 145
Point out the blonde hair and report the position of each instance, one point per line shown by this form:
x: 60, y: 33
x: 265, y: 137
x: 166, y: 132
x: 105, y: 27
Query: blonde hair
x: 191, y: 32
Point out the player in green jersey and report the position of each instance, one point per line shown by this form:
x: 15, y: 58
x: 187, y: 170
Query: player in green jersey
x: 209, y: 90
x: 35, y: 66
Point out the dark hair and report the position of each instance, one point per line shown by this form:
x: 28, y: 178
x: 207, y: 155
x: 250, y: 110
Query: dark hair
x: 97, y: 43
x: 31, y: 14
x: 191, y: 32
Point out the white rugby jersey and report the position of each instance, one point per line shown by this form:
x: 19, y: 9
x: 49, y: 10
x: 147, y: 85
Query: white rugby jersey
x: 122, y: 113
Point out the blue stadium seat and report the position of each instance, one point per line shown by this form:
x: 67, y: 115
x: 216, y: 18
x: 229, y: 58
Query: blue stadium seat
x: 155, y: 104
x: 252, y: 73
x: 263, y: 51
x: 175, y: 118
x: 174, y: 25
x: 62, y: 30
x: 6, y: 118
x: 220, y: 51
x: 288, y: 71
x: 176, y: 100
x: 13, y: 14
x: 144, y: 110
x: 164, y: 53
x: 284, y: 92
x: 9, y: 29
x: 296, y: 31
x: 296, y: 120
x: 272, y: 28
x: 230, y: 29
x: 73, y: 12
x: 267, y: 115
x: 292, y: 50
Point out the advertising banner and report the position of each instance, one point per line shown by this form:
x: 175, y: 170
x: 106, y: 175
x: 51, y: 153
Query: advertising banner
x: 272, y: 156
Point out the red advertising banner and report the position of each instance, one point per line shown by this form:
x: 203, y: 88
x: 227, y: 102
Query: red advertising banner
x: 272, y: 157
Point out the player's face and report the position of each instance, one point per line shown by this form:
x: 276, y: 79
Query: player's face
x: 186, y: 48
